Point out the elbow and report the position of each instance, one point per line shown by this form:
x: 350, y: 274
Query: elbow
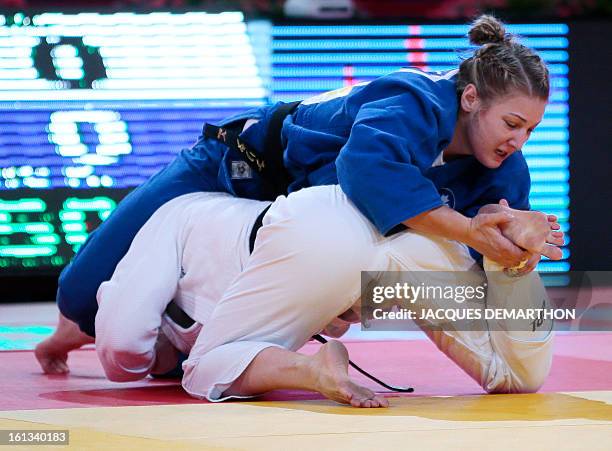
x: 124, y: 360
x: 346, y: 176
x: 118, y: 368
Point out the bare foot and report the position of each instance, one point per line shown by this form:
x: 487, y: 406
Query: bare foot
x: 330, y: 365
x: 52, y: 353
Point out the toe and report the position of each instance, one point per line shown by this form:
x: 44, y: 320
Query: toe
x: 383, y: 401
x: 356, y: 402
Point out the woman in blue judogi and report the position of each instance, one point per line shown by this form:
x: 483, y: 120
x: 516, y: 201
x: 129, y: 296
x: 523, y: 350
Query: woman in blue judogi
x: 410, y: 149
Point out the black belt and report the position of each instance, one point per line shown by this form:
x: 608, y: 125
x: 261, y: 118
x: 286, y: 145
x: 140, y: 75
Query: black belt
x: 270, y: 164
x: 185, y: 321
x: 256, y: 226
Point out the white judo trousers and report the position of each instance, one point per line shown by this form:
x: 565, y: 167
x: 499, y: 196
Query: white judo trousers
x: 304, y: 272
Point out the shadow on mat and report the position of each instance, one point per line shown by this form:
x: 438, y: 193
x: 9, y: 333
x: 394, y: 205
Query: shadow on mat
x: 523, y: 407
x: 134, y: 396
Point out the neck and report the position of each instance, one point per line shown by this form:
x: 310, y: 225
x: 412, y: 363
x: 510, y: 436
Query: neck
x: 458, y: 146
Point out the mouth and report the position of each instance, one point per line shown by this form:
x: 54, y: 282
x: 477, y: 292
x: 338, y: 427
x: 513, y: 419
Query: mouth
x: 501, y: 153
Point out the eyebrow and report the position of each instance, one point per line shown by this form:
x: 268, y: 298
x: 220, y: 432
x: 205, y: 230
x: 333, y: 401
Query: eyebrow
x: 523, y: 119
x: 519, y: 116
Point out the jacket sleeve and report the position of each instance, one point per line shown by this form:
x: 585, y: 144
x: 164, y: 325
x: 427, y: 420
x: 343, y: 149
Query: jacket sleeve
x: 132, y: 302
x: 380, y: 167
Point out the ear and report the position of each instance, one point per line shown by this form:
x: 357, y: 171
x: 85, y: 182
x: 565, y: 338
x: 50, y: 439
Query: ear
x: 469, y: 99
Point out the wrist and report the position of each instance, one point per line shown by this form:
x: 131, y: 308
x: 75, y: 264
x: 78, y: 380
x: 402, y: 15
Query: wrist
x: 466, y: 234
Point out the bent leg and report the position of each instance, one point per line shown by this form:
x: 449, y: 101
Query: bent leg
x: 502, y: 358
x: 325, y: 372
x: 192, y: 170
x: 304, y: 271
x: 526, y: 343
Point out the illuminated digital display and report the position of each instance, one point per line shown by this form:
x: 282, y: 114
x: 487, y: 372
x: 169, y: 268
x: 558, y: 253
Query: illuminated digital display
x: 47, y: 227
x: 127, y: 56
x: 94, y: 104
x: 110, y: 146
x: 106, y: 100
x: 97, y: 103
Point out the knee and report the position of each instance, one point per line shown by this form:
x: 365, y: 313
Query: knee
x: 531, y: 379
x: 513, y: 384
x: 524, y: 370
x: 531, y: 383
x: 117, y: 367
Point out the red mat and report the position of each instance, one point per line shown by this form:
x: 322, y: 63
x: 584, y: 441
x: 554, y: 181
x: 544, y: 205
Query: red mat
x: 581, y: 363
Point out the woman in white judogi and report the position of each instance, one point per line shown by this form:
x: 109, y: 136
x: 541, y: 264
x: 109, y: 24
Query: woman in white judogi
x: 253, y: 312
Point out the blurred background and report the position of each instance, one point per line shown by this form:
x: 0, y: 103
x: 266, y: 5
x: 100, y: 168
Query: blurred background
x: 97, y: 96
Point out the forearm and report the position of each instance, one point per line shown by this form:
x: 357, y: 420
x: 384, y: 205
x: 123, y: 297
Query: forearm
x: 442, y: 221
x: 481, y: 233
x: 166, y: 355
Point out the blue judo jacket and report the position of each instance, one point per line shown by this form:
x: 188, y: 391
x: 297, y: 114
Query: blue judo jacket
x: 378, y: 140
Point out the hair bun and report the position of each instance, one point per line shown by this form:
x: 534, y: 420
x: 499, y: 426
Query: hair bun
x: 487, y: 30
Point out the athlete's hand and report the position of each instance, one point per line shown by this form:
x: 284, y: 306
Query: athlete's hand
x: 529, y: 230
x: 533, y: 231
x: 486, y: 237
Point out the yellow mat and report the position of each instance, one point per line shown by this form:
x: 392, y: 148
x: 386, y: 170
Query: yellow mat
x: 560, y: 421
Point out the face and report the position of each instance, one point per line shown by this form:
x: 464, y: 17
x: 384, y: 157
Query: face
x: 501, y: 127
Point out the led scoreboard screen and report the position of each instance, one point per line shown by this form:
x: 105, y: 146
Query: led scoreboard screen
x: 94, y: 104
